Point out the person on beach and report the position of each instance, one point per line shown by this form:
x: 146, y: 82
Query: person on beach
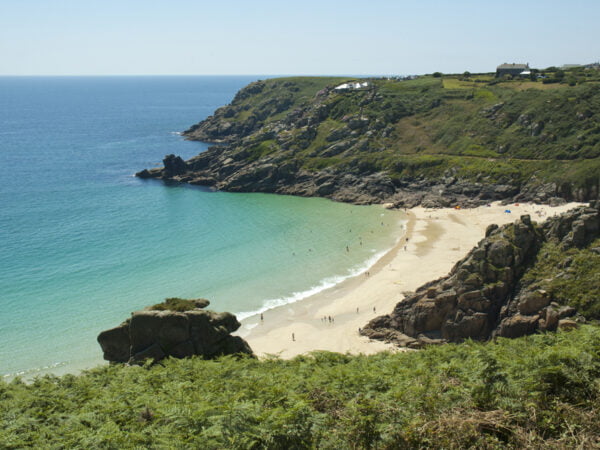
x: 374, y: 310
x: 261, y: 317
x: 357, y: 310
x: 293, y: 337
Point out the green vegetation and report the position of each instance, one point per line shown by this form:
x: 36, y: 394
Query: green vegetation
x: 267, y: 101
x: 571, y: 276
x: 538, y: 391
x: 518, y: 128
x: 179, y: 304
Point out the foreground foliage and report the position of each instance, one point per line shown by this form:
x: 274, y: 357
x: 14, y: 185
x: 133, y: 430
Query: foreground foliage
x: 538, y: 391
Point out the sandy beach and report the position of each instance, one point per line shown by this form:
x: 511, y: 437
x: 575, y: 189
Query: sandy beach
x: 434, y: 240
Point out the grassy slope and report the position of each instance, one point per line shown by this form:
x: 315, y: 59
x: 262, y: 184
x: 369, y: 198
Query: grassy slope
x: 572, y: 277
x: 435, y: 124
x: 539, y: 390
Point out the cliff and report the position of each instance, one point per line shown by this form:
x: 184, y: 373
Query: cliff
x: 520, y: 279
x: 431, y: 141
x: 177, y: 328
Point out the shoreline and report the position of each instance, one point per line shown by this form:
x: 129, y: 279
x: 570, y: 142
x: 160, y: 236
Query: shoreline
x: 325, y: 284
x: 437, y: 239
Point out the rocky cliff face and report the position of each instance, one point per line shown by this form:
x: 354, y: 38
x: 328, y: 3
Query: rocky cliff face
x: 158, y: 334
x: 379, y: 144
x: 222, y: 169
x: 485, y: 295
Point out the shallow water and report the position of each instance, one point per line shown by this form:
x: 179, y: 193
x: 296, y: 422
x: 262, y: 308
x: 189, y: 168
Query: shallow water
x: 84, y: 243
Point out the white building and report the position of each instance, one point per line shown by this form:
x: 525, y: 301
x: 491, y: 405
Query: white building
x: 352, y: 85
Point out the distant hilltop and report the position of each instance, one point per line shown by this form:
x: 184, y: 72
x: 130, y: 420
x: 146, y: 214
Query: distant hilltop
x: 435, y: 140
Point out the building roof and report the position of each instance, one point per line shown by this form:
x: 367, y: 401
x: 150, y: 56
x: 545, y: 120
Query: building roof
x: 352, y: 85
x: 513, y: 66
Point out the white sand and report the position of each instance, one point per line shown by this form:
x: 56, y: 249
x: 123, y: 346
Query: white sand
x: 437, y: 240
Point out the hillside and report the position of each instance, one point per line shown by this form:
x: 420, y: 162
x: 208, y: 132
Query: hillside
x: 534, y: 392
x: 438, y: 141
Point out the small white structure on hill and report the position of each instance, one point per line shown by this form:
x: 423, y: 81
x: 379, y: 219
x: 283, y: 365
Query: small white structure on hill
x: 352, y: 85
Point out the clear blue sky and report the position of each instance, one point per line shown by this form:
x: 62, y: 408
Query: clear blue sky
x: 84, y: 37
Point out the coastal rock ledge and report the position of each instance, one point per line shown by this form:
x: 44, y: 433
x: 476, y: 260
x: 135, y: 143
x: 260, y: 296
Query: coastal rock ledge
x: 486, y: 294
x: 178, y: 328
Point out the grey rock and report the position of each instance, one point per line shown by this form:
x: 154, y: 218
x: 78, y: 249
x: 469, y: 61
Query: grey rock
x: 566, y: 311
x: 534, y: 301
x: 484, y: 295
x: 517, y: 325
x: 567, y: 324
x: 115, y: 343
x: 160, y: 334
x: 154, y: 351
x: 174, y: 165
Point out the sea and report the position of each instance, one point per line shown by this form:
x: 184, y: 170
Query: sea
x: 83, y: 243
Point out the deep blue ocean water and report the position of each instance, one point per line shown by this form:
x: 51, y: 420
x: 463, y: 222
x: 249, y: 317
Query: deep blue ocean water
x: 83, y: 243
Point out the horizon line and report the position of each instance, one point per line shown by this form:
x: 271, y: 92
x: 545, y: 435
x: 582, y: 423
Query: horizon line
x: 212, y: 75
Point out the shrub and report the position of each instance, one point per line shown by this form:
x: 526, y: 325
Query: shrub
x: 179, y: 304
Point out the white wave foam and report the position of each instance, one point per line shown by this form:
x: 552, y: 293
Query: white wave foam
x: 249, y: 326
x: 35, y: 370
x: 324, y: 284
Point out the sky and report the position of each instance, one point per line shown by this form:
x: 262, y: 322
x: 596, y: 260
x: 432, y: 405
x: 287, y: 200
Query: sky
x: 235, y: 37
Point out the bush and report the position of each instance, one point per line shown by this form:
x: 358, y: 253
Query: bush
x: 179, y: 304
x: 538, y: 389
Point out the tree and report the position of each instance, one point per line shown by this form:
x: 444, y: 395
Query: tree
x: 437, y: 74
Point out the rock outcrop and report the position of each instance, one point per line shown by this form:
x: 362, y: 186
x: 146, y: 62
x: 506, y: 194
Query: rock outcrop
x: 160, y: 333
x: 304, y: 137
x: 222, y: 170
x: 485, y: 294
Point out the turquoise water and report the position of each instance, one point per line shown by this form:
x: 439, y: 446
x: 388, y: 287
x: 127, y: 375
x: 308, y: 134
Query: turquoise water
x: 83, y: 243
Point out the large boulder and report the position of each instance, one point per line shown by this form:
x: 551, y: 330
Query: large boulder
x: 485, y: 295
x: 174, y: 165
x: 160, y: 332
x: 115, y: 343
